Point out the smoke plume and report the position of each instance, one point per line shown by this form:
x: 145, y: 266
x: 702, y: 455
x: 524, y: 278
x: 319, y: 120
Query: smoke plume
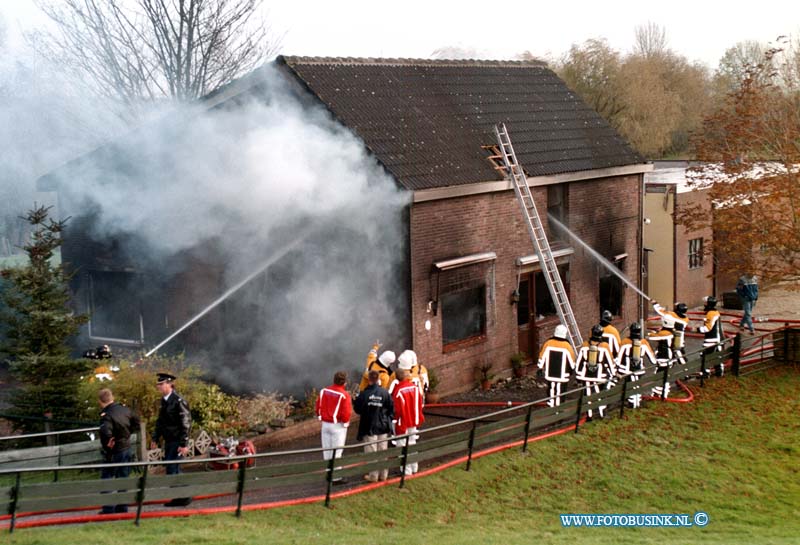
x: 217, y: 192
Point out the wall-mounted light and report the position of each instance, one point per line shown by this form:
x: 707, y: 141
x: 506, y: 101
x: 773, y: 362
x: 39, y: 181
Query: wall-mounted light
x: 432, y: 307
x: 647, y: 221
x: 515, y: 297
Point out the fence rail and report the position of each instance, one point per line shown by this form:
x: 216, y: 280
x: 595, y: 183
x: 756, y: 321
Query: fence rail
x: 283, y: 469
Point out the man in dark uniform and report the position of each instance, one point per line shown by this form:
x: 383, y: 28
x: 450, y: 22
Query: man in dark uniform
x: 117, y: 422
x: 173, y: 425
x: 376, y: 408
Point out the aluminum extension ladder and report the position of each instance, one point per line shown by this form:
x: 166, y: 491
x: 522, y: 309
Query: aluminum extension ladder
x: 538, y: 236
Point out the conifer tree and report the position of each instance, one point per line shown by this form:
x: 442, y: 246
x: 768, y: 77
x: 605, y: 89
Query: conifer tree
x: 38, y: 324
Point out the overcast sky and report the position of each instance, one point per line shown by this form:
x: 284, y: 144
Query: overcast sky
x: 699, y: 29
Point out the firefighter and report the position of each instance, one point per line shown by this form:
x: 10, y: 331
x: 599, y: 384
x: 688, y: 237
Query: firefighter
x: 408, y: 361
x: 681, y: 325
x: 420, y: 371
x: 712, y: 327
x: 407, y: 399
x: 610, y: 333
x: 380, y: 364
x: 633, y: 353
x: 663, y: 339
x: 594, y: 365
x: 557, y: 360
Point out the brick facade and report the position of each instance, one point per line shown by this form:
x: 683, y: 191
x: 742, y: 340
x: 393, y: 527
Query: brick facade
x: 605, y: 213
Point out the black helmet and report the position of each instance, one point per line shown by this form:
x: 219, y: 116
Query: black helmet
x: 711, y: 302
x: 606, y: 317
x: 636, y: 330
x: 597, y: 332
x: 103, y: 352
x: 680, y: 309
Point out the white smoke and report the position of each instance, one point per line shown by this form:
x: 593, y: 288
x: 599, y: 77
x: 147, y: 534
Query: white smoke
x: 235, y: 183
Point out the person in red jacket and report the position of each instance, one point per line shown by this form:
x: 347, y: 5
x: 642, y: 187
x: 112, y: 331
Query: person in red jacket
x: 408, y: 413
x: 333, y: 408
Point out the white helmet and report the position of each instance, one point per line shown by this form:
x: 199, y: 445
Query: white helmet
x: 387, y: 358
x: 406, y: 360
x: 561, y: 332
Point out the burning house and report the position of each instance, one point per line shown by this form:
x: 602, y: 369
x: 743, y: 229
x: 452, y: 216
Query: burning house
x: 414, y: 236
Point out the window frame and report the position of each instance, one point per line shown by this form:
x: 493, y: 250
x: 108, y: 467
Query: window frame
x: 484, y: 314
x: 695, y: 254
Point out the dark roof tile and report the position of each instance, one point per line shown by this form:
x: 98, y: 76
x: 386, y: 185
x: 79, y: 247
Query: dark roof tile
x: 426, y: 120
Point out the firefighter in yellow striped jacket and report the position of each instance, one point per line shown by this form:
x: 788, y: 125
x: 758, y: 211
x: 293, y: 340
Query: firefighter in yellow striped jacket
x: 595, y: 365
x: 633, y: 354
x: 663, y: 348
x: 712, y: 327
x: 380, y: 364
x: 557, y: 361
x: 681, y: 325
x: 610, y: 333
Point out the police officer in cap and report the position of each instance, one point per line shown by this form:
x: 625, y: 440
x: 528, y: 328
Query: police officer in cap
x: 173, y: 425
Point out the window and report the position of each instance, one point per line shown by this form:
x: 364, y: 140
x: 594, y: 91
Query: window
x: 114, y: 306
x: 557, y: 208
x: 611, y: 289
x: 463, y: 314
x: 695, y: 253
x: 543, y: 302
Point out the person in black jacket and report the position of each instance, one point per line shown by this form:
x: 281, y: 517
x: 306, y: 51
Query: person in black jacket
x: 173, y: 425
x: 376, y: 408
x: 117, y: 422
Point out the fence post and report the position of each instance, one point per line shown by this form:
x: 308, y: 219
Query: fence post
x: 12, y: 507
x: 786, y: 343
x: 140, y: 495
x: 58, y: 459
x: 142, y: 441
x: 403, y: 464
x: 736, y: 356
x: 470, y: 444
x: 240, y: 487
x: 330, y: 478
x: 624, y: 395
x: 580, y: 408
x: 528, y: 420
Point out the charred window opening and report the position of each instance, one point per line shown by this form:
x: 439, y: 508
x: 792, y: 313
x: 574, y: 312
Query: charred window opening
x: 544, y: 304
x: 612, y: 288
x: 463, y: 289
x: 695, y: 253
x: 464, y: 314
x: 115, y: 306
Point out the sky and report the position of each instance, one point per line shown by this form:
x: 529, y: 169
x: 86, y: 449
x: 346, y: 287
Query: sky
x: 700, y: 30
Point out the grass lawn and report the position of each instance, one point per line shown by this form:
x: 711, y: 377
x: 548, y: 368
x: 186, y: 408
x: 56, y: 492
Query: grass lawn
x: 733, y: 453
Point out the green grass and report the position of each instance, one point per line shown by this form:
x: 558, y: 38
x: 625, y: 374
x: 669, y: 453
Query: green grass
x: 733, y: 453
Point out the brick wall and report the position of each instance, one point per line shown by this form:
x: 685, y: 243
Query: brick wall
x: 604, y: 212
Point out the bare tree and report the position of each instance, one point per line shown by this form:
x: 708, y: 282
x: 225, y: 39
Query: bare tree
x: 650, y: 41
x: 147, y: 50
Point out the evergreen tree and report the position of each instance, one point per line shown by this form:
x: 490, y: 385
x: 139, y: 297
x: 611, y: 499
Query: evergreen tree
x: 38, y: 323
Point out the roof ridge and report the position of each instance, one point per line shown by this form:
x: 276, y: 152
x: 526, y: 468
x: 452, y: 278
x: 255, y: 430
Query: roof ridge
x: 402, y: 61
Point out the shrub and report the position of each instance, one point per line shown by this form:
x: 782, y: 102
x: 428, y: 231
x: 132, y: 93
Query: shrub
x: 261, y: 409
x: 134, y: 385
